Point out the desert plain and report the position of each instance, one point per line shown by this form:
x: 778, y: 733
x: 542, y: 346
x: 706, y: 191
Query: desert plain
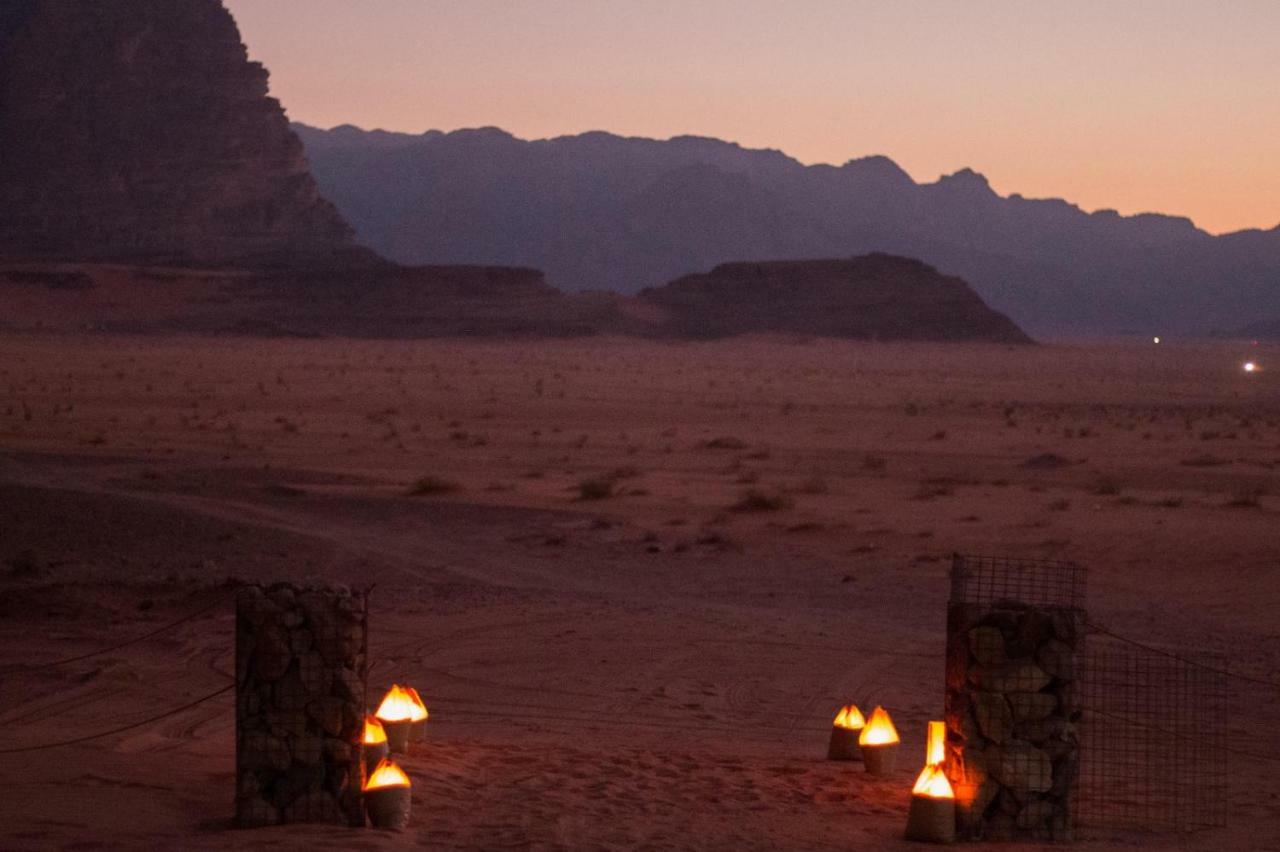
x: 632, y: 580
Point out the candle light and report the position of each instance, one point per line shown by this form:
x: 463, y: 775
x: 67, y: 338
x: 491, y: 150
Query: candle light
x: 387, y: 796
x: 844, y: 734
x: 375, y: 744
x: 399, y: 711
x: 879, y: 743
x: 932, y: 816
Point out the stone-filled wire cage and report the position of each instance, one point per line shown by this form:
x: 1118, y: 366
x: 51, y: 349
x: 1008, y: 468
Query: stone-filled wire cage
x: 301, y: 676
x: 1015, y: 635
x: 1154, y: 739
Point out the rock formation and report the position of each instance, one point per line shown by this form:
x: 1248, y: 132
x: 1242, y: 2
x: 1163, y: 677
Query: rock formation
x: 139, y: 131
x: 875, y: 297
x: 598, y: 211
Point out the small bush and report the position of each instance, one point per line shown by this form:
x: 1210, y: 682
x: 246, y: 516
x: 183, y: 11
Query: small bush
x: 1250, y: 498
x: 1106, y: 488
x: 429, y: 486
x: 24, y: 564
x: 756, y: 500
x: 874, y: 463
x: 1204, y: 461
x: 596, y: 488
x: 813, y: 485
x: 725, y: 443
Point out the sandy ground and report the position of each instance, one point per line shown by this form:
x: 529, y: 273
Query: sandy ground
x: 649, y: 670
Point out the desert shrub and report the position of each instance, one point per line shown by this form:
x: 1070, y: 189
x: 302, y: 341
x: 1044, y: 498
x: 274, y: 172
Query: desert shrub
x: 725, y: 443
x: 596, y: 488
x: 874, y: 463
x: 1106, y: 488
x: 24, y: 564
x: 757, y: 500
x: 932, y: 488
x: 813, y: 485
x: 1204, y: 461
x: 1046, y: 461
x: 1246, y: 498
x: 429, y: 486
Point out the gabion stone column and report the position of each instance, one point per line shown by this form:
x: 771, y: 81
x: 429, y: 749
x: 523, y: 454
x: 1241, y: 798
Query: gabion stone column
x: 301, y: 669
x: 1012, y: 707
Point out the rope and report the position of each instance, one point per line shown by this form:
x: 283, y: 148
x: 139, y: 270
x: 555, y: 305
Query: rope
x: 1246, y: 678
x: 123, y: 728
x: 181, y: 621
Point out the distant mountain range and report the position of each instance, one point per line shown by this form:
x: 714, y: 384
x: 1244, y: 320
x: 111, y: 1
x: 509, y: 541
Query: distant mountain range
x: 599, y: 211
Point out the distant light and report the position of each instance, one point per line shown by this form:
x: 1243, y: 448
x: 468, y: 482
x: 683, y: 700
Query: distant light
x: 1250, y: 366
x: 1155, y: 340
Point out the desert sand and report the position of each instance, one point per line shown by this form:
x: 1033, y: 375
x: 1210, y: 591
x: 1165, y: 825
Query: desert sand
x: 656, y: 667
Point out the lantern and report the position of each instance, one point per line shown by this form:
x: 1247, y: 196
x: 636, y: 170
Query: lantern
x: 375, y: 744
x: 844, y: 734
x: 879, y: 743
x: 387, y: 796
x: 932, y: 817
x: 400, y: 710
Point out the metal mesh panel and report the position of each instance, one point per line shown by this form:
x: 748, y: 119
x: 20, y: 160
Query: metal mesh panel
x: 1153, y: 741
x: 1034, y: 582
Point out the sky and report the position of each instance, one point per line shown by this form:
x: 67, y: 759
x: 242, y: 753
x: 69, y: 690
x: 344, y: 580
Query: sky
x: 1135, y: 105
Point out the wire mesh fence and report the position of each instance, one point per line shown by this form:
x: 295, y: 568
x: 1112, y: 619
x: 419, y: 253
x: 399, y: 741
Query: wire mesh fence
x: 1034, y: 582
x: 1153, y: 740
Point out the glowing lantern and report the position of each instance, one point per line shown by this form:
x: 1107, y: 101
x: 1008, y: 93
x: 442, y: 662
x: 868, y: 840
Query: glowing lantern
x: 375, y: 744
x: 935, y: 753
x: 932, y: 817
x: 387, y: 796
x: 844, y: 734
x: 1251, y: 366
x: 400, y: 710
x: 1155, y: 340
x: 879, y: 743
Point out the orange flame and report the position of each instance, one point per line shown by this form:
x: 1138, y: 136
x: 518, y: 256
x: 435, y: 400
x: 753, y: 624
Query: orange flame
x: 936, y: 751
x: 402, y: 704
x: 373, y: 731
x: 933, y: 784
x: 387, y: 774
x: 879, y: 729
x: 850, y: 718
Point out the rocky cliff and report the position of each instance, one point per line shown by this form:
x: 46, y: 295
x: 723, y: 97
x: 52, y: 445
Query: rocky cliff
x: 139, y: 131
x: 875, y: 297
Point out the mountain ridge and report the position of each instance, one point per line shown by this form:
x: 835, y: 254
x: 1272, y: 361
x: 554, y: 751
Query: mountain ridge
x: 484, y: 195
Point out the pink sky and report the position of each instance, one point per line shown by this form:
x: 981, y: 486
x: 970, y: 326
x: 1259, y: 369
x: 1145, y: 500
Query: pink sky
x: 1140, y: 105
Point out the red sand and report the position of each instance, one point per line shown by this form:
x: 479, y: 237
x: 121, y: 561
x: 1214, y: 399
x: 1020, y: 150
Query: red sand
x: 649, y: 670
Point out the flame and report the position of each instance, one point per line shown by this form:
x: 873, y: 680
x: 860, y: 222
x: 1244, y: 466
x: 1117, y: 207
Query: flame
x: 417, y: 699
x: 850, y: 718
x: 936, y: 751
x: 402, y: 704
x: 879, y: 729
x: 373, y: 732
x: 933, y: 784
x: 1251, y: 366
x: 387, y: 774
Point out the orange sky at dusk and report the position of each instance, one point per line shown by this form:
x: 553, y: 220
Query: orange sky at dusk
x: 1136, y: 105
